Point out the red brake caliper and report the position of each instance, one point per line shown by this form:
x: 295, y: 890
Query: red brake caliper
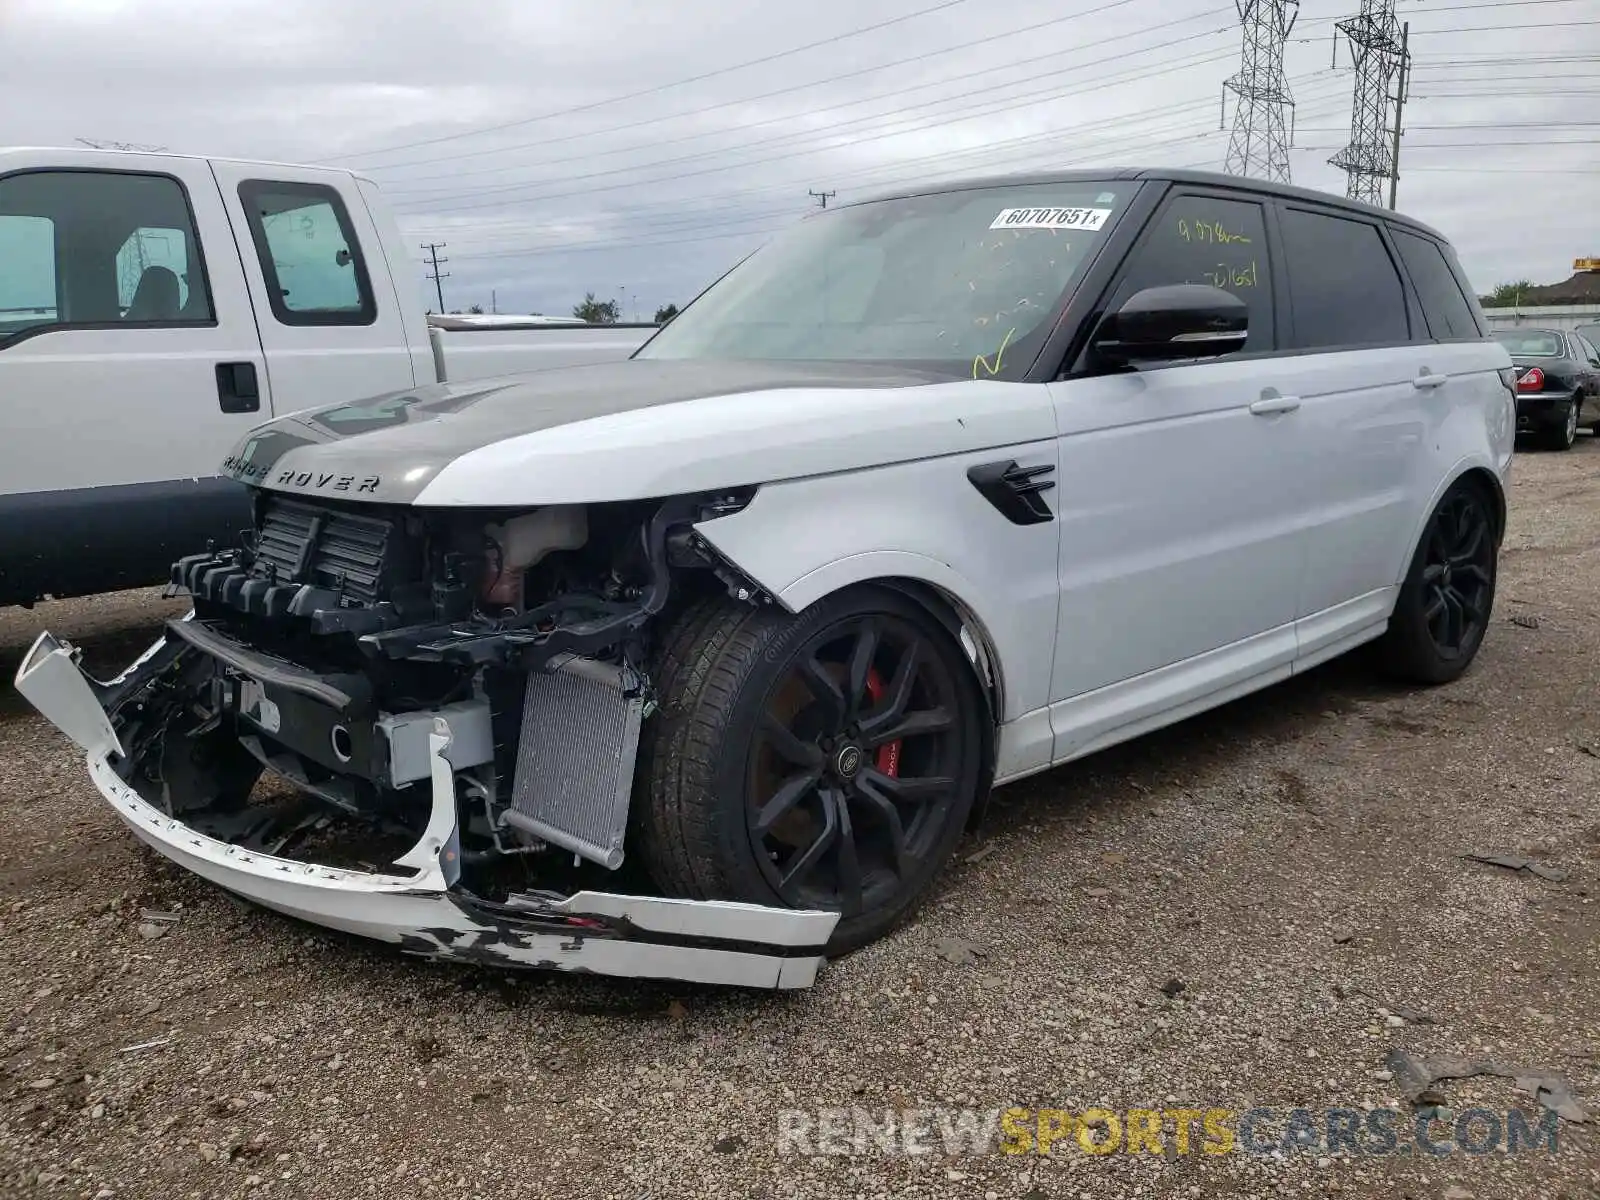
x: 889, y: 753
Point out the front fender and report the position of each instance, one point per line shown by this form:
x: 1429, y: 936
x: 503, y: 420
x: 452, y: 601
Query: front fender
x: 921, y: 521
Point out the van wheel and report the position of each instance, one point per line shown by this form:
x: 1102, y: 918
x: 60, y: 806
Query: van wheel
x: 825, y: 760
x: 1443, y: 610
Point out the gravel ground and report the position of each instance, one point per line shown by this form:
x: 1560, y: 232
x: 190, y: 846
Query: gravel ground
x: 1294, y: 860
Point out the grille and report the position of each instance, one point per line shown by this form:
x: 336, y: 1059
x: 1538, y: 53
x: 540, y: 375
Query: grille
x: 580, y: 736
x: 325, y: 547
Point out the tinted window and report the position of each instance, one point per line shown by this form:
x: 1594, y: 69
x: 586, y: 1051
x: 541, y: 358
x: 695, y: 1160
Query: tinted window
x: 1589, y: 352
x: 1200, y: 239
x: 1442, y: 302
x: 309, y: 254
x: 97, y: 248
x: 1343, y: 286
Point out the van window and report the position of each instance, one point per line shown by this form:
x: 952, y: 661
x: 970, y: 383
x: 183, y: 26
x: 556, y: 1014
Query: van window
x: 1204, y: 239
x: 1443, y: 304
x: 28, y: 283
x: 97, y: 249
x: 309, y: 255
x: 146, y: 248
x: 1344, y: 289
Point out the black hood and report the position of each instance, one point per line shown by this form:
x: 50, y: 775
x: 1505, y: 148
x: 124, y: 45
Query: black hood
x: 390, y: 446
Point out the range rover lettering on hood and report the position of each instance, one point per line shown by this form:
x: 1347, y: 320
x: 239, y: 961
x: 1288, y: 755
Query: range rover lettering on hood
x: 388, y: 448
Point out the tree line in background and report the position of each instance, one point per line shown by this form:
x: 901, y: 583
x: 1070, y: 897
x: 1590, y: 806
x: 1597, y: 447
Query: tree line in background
x: 607, y: 312
x: 596, y: 312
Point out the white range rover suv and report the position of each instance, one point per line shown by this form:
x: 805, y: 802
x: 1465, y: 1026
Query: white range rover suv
x: 697, y: 665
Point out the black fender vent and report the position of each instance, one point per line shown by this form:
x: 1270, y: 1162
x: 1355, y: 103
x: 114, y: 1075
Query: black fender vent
x: 1017, y: 491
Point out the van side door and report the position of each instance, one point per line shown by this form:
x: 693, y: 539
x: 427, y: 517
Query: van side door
x: 318, y: 270
x: 129, y: 365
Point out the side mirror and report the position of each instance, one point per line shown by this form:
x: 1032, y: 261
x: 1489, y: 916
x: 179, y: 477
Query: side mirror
x: 1165, y: 324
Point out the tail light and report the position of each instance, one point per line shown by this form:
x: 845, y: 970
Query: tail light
x: 1531, y: 381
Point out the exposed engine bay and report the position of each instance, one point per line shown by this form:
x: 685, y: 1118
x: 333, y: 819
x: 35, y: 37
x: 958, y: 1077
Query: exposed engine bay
x: 355, y: 679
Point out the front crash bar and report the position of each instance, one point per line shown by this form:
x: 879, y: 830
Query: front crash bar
x: 424, y: 911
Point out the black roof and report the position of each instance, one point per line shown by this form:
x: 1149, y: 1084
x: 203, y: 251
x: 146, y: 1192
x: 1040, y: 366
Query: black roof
x: 1216, y: 179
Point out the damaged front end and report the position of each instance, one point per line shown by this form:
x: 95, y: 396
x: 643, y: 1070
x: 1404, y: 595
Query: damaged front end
x: 457, y: 693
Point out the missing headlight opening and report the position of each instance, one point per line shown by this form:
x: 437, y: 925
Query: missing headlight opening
x: 357, y: 679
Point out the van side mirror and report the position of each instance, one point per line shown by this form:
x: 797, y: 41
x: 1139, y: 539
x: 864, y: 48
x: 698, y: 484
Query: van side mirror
x: 1178, y: 321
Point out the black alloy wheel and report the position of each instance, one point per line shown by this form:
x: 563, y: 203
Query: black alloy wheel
x: 1442, y: 613
x: 856, y: 766
x: 1458, y: 573
x: 824, y: 760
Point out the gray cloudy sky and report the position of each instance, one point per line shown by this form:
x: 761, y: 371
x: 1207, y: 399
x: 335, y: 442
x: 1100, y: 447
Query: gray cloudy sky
x: 586, y: 189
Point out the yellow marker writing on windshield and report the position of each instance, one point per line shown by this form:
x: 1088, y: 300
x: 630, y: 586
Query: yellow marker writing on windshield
x: 983, y: 362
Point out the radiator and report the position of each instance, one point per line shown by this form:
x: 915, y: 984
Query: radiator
x: 575, y: 758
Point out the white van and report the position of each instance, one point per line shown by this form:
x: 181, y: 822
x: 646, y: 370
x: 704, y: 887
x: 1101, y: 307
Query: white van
x: 154, y: 307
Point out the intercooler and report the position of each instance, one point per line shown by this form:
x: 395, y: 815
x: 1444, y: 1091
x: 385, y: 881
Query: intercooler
x: 575, y: 757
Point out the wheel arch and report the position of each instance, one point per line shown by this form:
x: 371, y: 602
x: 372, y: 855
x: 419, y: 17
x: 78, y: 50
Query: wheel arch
x: 935, y: 589
x: 1470, y: 471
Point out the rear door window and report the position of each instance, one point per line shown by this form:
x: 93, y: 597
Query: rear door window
x: 309, y: 254
x: 1443, y: 305
x: 1344, y: 289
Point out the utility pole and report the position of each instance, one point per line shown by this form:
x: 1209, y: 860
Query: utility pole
x: 821, y: 198
x: 433, y: 249
x: 494, y: 300
x: 1399, y: 108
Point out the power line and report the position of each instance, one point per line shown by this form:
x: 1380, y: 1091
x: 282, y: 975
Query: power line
x: 586, y: 135
x: 828, y: 138
x: 659, y: 88
x: 893, y: 113
x: 838, y: 144
x: 1006, y: 150
x: 1187, y: 137
x: 433, y: 249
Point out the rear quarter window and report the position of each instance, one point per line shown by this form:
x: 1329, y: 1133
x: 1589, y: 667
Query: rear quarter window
x: 1444, y: 307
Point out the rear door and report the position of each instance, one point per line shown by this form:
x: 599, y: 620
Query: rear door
x: 331, y: 325
x: 129, y: 364
x: 1367, y: 387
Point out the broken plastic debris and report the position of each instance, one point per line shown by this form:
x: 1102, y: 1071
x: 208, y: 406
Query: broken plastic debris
x: 1414, y: 1078
x: 1515, y: 862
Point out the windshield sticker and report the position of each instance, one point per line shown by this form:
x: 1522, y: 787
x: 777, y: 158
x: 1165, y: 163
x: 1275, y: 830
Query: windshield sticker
x: 1051, y: 218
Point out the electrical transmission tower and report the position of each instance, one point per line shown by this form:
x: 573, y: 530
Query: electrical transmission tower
x: 1376, y: 42
x: 1259, y: 146
x: 822, y: 198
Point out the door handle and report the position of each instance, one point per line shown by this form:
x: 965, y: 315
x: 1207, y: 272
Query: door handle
x: 1427, y: 381
x: 237, y: 388
x: 1268, y: 405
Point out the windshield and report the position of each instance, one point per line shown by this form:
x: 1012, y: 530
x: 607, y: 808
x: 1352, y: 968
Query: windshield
x: 964, y: 281
x: 1534, y: 343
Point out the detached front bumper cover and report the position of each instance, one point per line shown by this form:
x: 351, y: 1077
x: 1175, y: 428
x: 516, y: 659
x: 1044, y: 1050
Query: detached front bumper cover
x: 423, y: 909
